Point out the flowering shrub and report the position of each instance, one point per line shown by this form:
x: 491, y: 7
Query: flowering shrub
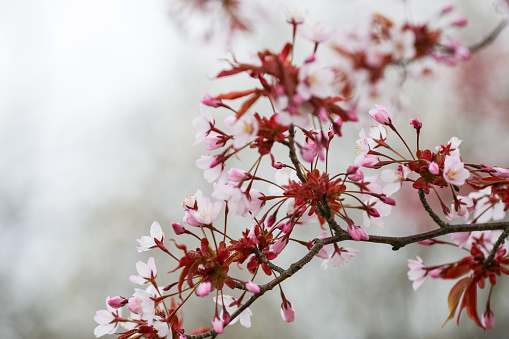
x: 310, y: 104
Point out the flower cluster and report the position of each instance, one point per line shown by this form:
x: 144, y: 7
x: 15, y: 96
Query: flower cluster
x: 302, y: 191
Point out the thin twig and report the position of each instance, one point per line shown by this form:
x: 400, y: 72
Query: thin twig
x: 490, y: 38
x: 431, y: 213
x: 497, y: 244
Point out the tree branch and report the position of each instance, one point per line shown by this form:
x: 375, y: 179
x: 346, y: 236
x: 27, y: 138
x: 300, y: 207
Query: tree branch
x: 490, y: 38
x: 431, y: 213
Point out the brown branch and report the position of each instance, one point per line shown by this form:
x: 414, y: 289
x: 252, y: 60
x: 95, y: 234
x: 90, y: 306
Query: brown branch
x: 396, y: 242
x: 490, y: 38
x: 431, y: 213
x: 293, y: 154
x: 266, y: 261
x: 497, y: 244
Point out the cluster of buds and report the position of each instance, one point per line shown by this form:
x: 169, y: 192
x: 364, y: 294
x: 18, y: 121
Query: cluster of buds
x: 306, y: 119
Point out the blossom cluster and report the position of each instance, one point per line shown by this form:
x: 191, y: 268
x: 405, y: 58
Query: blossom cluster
x: 306, y: 119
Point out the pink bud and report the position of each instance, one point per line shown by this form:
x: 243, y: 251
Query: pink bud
x: 117, y: 302
x: 416, y: 123
x: 204, y: 289
x: 217, y: 324
x: 209, y: 100
x: 310, y: 58
x: 460, y: 22
x: 447, y: 9
x: 488, y: 318
x: 178, y: 228
x: 252, y: 287
x: 380, y: 115
x: 357, y: 232
x: 134, y: 305
x: 433, y: 168
x: 279, y: 245
x: 277, y: 165
x: 287, y: 312
x: 237, y: 175
x: 369, y: 161
x: 387, y: 200
x: 436, y: 273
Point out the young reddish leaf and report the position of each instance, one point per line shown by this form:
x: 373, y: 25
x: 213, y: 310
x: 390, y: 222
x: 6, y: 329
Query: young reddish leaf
x: 236, y: 95
x: 248, y: 103
x: 470, y: 303
x: 456, y: 271
x: 455, y: 296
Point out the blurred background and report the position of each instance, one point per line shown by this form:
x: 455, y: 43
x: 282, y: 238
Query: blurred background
x: 96, y: 103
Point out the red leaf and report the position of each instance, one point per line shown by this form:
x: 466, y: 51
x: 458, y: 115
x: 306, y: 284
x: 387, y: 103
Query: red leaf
x: 455, y: 296
x: 248, y: 103
x: 470, y: 303
x: 236, y: 95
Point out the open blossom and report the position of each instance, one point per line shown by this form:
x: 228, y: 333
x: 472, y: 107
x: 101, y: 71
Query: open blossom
x: 143, y: 304
x: 320, y: 32
x: 147, y: 272
x: 314, y: 80
x: 244, y: 129
x: 402, y: 44
x: 211, y: 166
x: 293, y: 17
x: 149, y: 242
x: 106, y: 320
x: 417, y: 272
x: 202, y: 124
x: 206, y: 212
x: 487, y: 207
x: 465, y: 204
x: 394, y: 179
x: 337, y: 255
x: 229, y: 304
x: 454, y: 171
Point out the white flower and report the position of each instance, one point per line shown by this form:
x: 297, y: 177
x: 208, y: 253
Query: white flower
x: 106, y: 320
x: 148, y: 242
x: 394, y: 179
x: 244, y: 130
x: 454, y: 171
x: 314, y: 80
x: 244, y: 316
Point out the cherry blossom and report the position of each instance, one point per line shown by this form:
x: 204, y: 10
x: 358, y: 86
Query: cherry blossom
x: 295, y: 16
x: 230, y: 305
x: 317, y: 33
x: 206, y: 212
x: 244, y: 130
x: 149, y: 242
x: 314, y: 80
x: 202, y: 124
x: 394, y: 179
x: 417, y: 272
x: 107, y: 320
x: 455, y: 172
x: 146, y: 272
x: 379, y: 113
x: 337, y: 255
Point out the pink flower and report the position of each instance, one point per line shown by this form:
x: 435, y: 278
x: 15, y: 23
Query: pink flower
x: 217, y: 324
x: 380, y: 114
x: 204, y: 289
x: 252, y: 287
x: 433, y: 168
x: 394, y: 179
x: 356, y: 232
x: 369, y: 161
x: 488, y: 318
x: 230, y: 305
x: 202, y: 125
x: 206, y: 212
x: 417, y: 272
x: 287, y: 312
x: 209, y: 100
x: 143, y: 304
x: 294, y: 17
x: 107, y: 320
x: 279, y: 245
x: 337, y: 255
x: 147, y: 272
x: 116, y: 302
x: 454, y: 171
x: 244, y: 130
x: 416, y: 123
x: 320, y: 32
x: 211, y: 166
x: 355, y: 173
x: 460, y: 22
x: 314, y: 80
x: 149, y: 242
x: 178, y: 228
